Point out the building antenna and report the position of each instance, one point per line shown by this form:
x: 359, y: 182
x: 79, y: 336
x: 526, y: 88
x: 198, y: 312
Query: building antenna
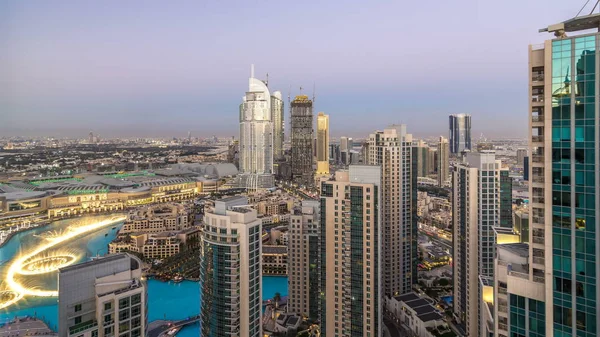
x: 315, y: 86
x: 267, y: 81
x: 252, y: 70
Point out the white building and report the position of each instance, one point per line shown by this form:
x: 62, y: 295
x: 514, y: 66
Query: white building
x: 102, y: 297
x: 417, y: 314
x: 230, y: 270
x: 256, y: 136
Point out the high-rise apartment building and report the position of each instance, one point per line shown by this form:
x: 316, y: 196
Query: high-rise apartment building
x: 230, y: 270
x: 302, y: 136
x: 564, y: 185
x: 460, y: 133
x: 521, y: 154
x: 322, y: 144
x: 477, y: 205
x: 391, y: 149
x: 350, y: 244
x: 102, y: 297
x: 421, y: 155
x: 443, y: 168
x: 256, y: 137
x: 277, y: 113
x: 303, y: 260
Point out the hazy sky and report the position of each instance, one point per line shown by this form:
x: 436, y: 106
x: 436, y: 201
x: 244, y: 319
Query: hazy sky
x: 158, y: 68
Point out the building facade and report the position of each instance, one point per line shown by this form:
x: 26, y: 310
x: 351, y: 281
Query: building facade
x: 460, y: 133
x: 302, y: 136
x: 391, y: 150
x: 421, y: 155
x: 277, y: 113
x: 350, y: 245
x: 103, y: 297
x: 230, y: 271
x: 303, y: 272
x: 157, y: 219
x: 477, y: 206
x: 256, y: 137
x: 564, y: 178
x: 322, y: 144
x: 443, y: 162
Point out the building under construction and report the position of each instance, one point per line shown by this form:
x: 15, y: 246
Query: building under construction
x: 302, y: 136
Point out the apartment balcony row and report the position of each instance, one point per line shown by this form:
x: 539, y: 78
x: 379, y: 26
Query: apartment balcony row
x: 537, y: 118
x: 537, y: 99
x: 537, y: 76
x: 537, y: 139
x: 537, y: 158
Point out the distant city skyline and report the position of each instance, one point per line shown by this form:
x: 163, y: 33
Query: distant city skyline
x: 120, y: 73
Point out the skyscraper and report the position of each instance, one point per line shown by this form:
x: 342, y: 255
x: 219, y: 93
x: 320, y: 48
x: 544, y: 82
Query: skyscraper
x: 103, y: 297
x: 303, y: 260
x: 477, y: 205
x: 460, y: 133
x: 256, y: 137
x: 350, y: 241
x: 302, y: 140
x: 391, y: 149
x: 421, y: 155
x: 322, y: 144
x: 564, y: 183
x: 230, y: 270
x: 277, y: 113
x: 443, y: 168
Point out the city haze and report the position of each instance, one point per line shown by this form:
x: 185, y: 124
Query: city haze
x: 149, y: 69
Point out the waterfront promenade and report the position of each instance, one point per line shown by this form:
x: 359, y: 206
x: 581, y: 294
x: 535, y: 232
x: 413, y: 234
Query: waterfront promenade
x: 26, y: 326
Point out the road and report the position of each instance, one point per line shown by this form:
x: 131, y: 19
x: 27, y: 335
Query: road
x: 158, y: 328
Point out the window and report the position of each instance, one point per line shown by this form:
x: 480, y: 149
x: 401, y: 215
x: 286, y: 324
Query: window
x: 78, y: 319
x: 77, y: 307
x: 107, y: 306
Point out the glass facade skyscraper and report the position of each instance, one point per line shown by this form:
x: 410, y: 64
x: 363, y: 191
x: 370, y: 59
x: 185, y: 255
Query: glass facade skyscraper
x: 565, y: 177
x: 460, y: 133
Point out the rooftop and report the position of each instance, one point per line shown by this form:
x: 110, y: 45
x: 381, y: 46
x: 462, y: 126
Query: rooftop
x: 575, y: 24
x: 106, y: 259
x: 521, y: 249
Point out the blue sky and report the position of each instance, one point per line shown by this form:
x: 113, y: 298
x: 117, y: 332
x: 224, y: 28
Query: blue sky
x: 155, y: 68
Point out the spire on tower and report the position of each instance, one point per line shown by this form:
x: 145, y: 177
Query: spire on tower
x: 252, y: 70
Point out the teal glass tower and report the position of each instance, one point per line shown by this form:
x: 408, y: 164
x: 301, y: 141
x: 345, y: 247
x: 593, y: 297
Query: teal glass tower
x: 565, y: 180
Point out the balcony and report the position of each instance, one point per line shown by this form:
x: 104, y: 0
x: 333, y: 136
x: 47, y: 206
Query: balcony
x: 539, y: 260
x: 539, y: 240
x: 537, y: 139
x: 537, y: 158
x: 83, y: 326
x: 537, y: 77
x: 537, y: 118
x: 538, y: 199
x: 537, y: 99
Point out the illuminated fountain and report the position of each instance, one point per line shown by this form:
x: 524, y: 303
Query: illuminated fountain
x: 35, y: 262
x: 48, y: 262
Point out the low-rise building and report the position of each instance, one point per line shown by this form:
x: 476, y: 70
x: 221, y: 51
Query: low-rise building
x: 274, y: 260
x: 158, y: 218
x: 155, y: 245
x: 418, y: 315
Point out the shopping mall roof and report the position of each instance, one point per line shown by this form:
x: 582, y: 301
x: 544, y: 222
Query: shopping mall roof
x: 23, y: 195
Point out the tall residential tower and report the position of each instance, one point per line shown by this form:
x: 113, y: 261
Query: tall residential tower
x: 443, y: 168
x: 391, y: 149
x: 303, y: 260
x: 460, y: 133
x: 256, y: 137
x: 302, y: 136
x: 351, y: 246
x: 277, y: 113
x: 477, y: 204
x: 322, y: 144
x: 230, y: 270
x: 564, y: 175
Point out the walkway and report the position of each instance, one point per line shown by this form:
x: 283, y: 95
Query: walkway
x: 26, y: 327
x: 160, y: 327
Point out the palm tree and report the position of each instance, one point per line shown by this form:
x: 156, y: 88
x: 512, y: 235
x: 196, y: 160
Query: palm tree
x: 276, y: 299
